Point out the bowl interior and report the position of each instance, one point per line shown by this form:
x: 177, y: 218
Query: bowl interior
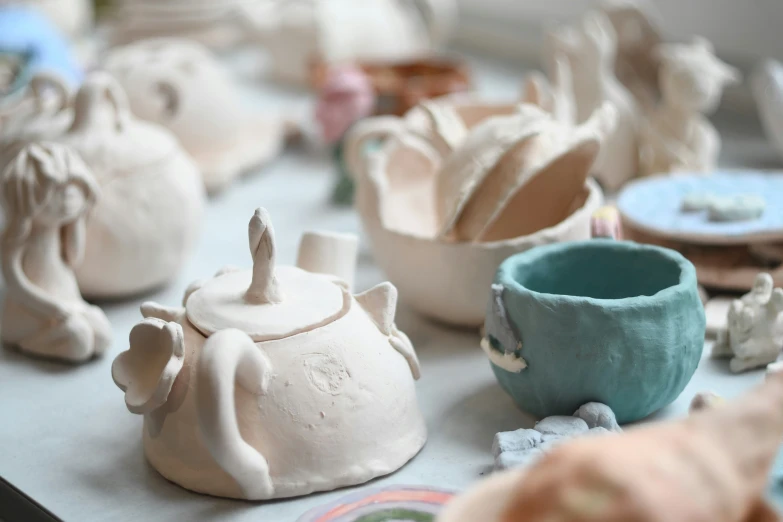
x: 599, y: 270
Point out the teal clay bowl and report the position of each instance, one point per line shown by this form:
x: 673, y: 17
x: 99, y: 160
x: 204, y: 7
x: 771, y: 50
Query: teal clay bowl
x: 599, y: 320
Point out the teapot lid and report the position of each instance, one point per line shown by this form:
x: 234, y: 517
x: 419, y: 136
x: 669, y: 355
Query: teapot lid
x: 267, y: 302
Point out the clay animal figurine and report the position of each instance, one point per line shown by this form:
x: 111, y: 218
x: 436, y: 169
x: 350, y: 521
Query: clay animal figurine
x: 47, y: 191
x: 275, y: 381
x: 677, y: 136
x: 417, y: 214
x: 180, y: 85
x: 300, y: 34
x: 514, y: 449
x: 346, y: 97
x: 755, y: 327
x: 767, y: 85
x: 698, y: 468
x: 591, y: 50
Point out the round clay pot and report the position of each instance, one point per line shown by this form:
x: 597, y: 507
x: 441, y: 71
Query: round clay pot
x: 601, y: 320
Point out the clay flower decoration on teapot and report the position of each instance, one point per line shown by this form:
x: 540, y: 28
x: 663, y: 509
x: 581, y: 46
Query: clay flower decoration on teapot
x: 755, y: 327
x: 275, y: 381
x: 47, y: 192
x: 180, y: 85
x: 698, y: 468
x: 346, y: 97
x: 678, y: 137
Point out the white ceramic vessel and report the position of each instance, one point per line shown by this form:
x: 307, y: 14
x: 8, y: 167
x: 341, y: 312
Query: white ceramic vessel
x: 275, y: 381
x: 180, y: 85
x: 444, y: 275
x: 47, y: 192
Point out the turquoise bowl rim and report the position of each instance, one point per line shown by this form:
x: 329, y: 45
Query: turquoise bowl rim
x: 505, y: 273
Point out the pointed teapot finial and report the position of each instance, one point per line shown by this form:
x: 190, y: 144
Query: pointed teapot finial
x: 263, y: 288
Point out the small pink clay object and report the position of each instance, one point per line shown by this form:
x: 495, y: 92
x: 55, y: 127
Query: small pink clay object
x: 606, y: 223
x: 346, y: 97
x: 696, y: 469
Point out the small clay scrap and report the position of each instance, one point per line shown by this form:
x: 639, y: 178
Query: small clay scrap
x: 742, y: 207
x: 513, y: 449
x: 705, y: 400
x: 755, y: 327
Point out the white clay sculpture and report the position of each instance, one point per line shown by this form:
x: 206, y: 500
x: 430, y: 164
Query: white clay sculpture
x: 276, y: 381
x: 590, y: 49
x: 180, y: 85
x: 755, y: 328
x: 677, y: 136
x: 47, y: 191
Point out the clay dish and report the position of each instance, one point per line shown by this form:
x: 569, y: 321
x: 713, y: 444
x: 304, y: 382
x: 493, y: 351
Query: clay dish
x: 444, y: 280
x: 180, y: 85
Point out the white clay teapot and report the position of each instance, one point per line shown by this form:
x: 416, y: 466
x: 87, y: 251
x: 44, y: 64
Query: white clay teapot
x: 149, y: 215
x: 275, y: 381
x: 180, y: 84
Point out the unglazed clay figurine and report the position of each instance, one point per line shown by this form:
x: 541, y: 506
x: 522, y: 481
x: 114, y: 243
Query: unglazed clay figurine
x: 47, y: 192
x: 275, y: 381
x: 346, y: 97
x: 767, y: 85
x: 677, y: 136
x: 180, y: 85
x: 404, y: 191
x: 146, y: 222
x: 755, y: 327
x: 591, y: 50
x: 702, y: 467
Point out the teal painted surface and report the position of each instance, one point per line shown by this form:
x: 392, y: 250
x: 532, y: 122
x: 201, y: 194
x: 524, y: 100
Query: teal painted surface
x: 601, y: 320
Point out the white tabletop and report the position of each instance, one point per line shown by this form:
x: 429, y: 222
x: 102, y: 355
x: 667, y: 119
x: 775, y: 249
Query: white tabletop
x: 67, y: 441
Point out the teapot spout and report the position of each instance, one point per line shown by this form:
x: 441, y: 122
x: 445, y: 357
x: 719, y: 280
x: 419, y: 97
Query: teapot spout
x: 329, y: 253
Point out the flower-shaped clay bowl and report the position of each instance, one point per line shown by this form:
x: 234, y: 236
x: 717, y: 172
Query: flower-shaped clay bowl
x: 445, y: 280
x: 601, y: 320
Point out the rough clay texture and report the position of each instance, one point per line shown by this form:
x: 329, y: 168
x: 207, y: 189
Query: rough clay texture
x: 634, y: 354
x: 514, y: 449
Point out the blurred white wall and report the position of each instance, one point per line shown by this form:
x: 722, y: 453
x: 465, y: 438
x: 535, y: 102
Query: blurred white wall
x: 742, y: 30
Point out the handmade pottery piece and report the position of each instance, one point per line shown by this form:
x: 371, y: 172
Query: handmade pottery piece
x: 588, y: 328
x: 47, y: 191
x: 13, y: 72
x: 501, y: 166
x: 27, y: 31
x: 654, y: 206
x: 637, y: 26
x: 345, y: 97
x: 606, y: 223
x: 212, y: 22
x: 274, y: 382
x: 755, y: 327
x: 146, y: 222
x: 767, y: 86
x: 396, y: 191
x: 383, y: 504
x: 677, y: 136
x: 590, y: 49
x: 514, y: 449
x: 300, y: 35
x: 678, y: 471
x: 180, y: 85
x: 716, y: 310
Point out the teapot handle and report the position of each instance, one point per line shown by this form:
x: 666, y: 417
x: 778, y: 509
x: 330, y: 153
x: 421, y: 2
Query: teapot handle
x: 379, y: 127
x: 230, y: 357
x: 99, y: 90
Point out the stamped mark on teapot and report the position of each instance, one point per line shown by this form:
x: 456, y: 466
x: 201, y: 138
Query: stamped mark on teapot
x: 325, y: 372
